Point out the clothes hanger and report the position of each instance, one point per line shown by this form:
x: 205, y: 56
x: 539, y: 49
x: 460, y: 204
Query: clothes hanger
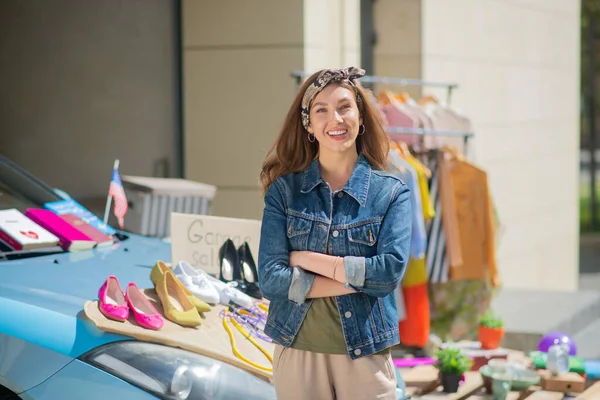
x: 404, y: 150
x: 402, y: 97
x: 428, y: 99
x: 386, y: 97
x: 453, y: 152
x: 407, y: 154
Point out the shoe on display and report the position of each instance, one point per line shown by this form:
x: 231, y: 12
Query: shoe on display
x: 111, y: 300
x: 248, y: 270
x: 230, y: 268
x: 176, y: 304
x: 197, y: 282
x: 229, y: 293
x: 143, y: 310
x: 160, y: 268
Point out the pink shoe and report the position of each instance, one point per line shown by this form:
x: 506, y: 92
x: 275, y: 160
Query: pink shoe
x: 144, y: 312
x: 112, y: 301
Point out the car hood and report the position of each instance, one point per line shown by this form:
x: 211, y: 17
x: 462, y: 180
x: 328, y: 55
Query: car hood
x: 42, y: 298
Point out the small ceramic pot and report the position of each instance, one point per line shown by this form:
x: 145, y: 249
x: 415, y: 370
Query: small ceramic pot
x: 450, y: 382
x: 490, y: 338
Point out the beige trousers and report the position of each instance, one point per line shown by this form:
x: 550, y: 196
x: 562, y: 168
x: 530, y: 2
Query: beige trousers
x: 299, y: 374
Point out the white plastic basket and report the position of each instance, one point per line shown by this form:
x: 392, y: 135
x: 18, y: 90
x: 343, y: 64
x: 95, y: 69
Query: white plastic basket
x: 152, y: 200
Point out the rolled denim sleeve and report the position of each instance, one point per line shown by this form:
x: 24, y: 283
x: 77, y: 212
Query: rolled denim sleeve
x: 300, y: 285
x: 380, y: 275
x: 276, y: 279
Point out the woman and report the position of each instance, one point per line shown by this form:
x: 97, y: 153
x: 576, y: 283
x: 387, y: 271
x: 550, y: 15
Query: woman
x: 334, y: 245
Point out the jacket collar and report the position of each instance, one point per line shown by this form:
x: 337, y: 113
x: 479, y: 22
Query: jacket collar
x: 357, y: 186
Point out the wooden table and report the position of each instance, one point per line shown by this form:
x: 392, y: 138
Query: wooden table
x: 423, y: 384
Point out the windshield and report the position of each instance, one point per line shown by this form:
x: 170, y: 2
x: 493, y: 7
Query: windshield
x: 21, y: 190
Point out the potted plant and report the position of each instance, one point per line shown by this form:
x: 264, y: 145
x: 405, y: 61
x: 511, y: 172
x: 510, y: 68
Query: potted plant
x: 491, y: 331
x: 452, y: 364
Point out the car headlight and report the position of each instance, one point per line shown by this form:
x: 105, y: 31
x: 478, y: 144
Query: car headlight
x: 176, y: 374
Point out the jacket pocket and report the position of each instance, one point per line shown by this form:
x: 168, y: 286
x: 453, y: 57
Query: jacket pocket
x: 363, y: 239
x: 298, y: 231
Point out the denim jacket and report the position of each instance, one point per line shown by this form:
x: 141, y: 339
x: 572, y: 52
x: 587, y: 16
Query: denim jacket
x: 368, y: 223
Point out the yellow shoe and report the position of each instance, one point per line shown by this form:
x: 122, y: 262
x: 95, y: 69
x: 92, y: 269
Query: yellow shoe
x: 156, y: 275
x: 177, y: 305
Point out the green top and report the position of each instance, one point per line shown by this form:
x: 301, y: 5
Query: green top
x: 321, y: 331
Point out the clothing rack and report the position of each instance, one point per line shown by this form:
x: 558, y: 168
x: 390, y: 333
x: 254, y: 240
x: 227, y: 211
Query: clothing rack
x: 299, y: 75
x: 394, y: 130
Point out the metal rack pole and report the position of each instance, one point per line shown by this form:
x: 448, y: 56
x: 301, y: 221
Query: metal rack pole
x: 430, y: 132
x: 299, y: 75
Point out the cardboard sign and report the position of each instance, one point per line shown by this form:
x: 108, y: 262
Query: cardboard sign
x: 198, y: 238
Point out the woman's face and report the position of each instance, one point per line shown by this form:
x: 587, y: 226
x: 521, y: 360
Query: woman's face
x: 335, y: 119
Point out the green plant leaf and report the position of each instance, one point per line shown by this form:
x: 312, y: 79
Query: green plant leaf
x: 490, y: 320
x: 452, y: 360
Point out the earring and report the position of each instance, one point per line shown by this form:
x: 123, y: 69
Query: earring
x: 363, y: 130
x: 313, y: 137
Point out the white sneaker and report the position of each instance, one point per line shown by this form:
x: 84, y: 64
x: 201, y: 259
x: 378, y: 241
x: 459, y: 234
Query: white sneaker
x: 197, y: 282
x: 229, y: 294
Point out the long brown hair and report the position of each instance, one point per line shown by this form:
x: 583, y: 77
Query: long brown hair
x: 292, y: 152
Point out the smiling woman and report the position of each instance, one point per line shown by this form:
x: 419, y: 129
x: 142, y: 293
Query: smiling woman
x: 295, y: 147
x: 334, y: 244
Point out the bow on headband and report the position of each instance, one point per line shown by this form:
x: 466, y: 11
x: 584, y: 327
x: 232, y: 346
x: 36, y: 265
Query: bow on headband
x: 327, y: 76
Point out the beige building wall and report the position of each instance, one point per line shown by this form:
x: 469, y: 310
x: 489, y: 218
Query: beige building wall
x: 331, y: 34
x: 84, y: 83
x: 398, y: 52
x: 517, y: 64
x: 237, y: 88
x: 237, y: 59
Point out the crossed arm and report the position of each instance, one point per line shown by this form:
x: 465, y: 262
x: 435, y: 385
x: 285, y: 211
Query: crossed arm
x: 330, y: 276
x: 297, y: 275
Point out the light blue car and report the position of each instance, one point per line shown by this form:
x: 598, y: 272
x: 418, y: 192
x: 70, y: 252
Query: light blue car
x: 49, y: 351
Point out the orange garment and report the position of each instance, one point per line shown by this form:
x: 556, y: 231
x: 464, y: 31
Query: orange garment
x: 467, y: 219
x: 415, y: 329
x: 449, y: 215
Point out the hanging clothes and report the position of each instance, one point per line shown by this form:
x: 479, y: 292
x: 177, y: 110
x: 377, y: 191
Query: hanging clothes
x: 435, y: 258
x: 443, y: 118
x: 414, y: 327
x: 456, y: 303
x: 424, y: 122
x: 406, y: 172
x: 398, y: 116
x: 423, y: 174
x: 378, y: 107
x: 469, y: 222
x: 397, y: 167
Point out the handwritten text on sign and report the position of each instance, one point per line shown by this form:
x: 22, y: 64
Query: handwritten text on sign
x: 198, y: 238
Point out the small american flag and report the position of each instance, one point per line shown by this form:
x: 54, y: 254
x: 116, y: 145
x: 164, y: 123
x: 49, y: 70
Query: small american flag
x: 118, y: 193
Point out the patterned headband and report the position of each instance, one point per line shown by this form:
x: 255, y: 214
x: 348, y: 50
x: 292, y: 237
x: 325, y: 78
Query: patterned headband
x: 327, y: 76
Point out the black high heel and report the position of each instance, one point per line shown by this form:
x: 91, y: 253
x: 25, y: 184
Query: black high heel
x: 249, y: 271
x: 230, y: 269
